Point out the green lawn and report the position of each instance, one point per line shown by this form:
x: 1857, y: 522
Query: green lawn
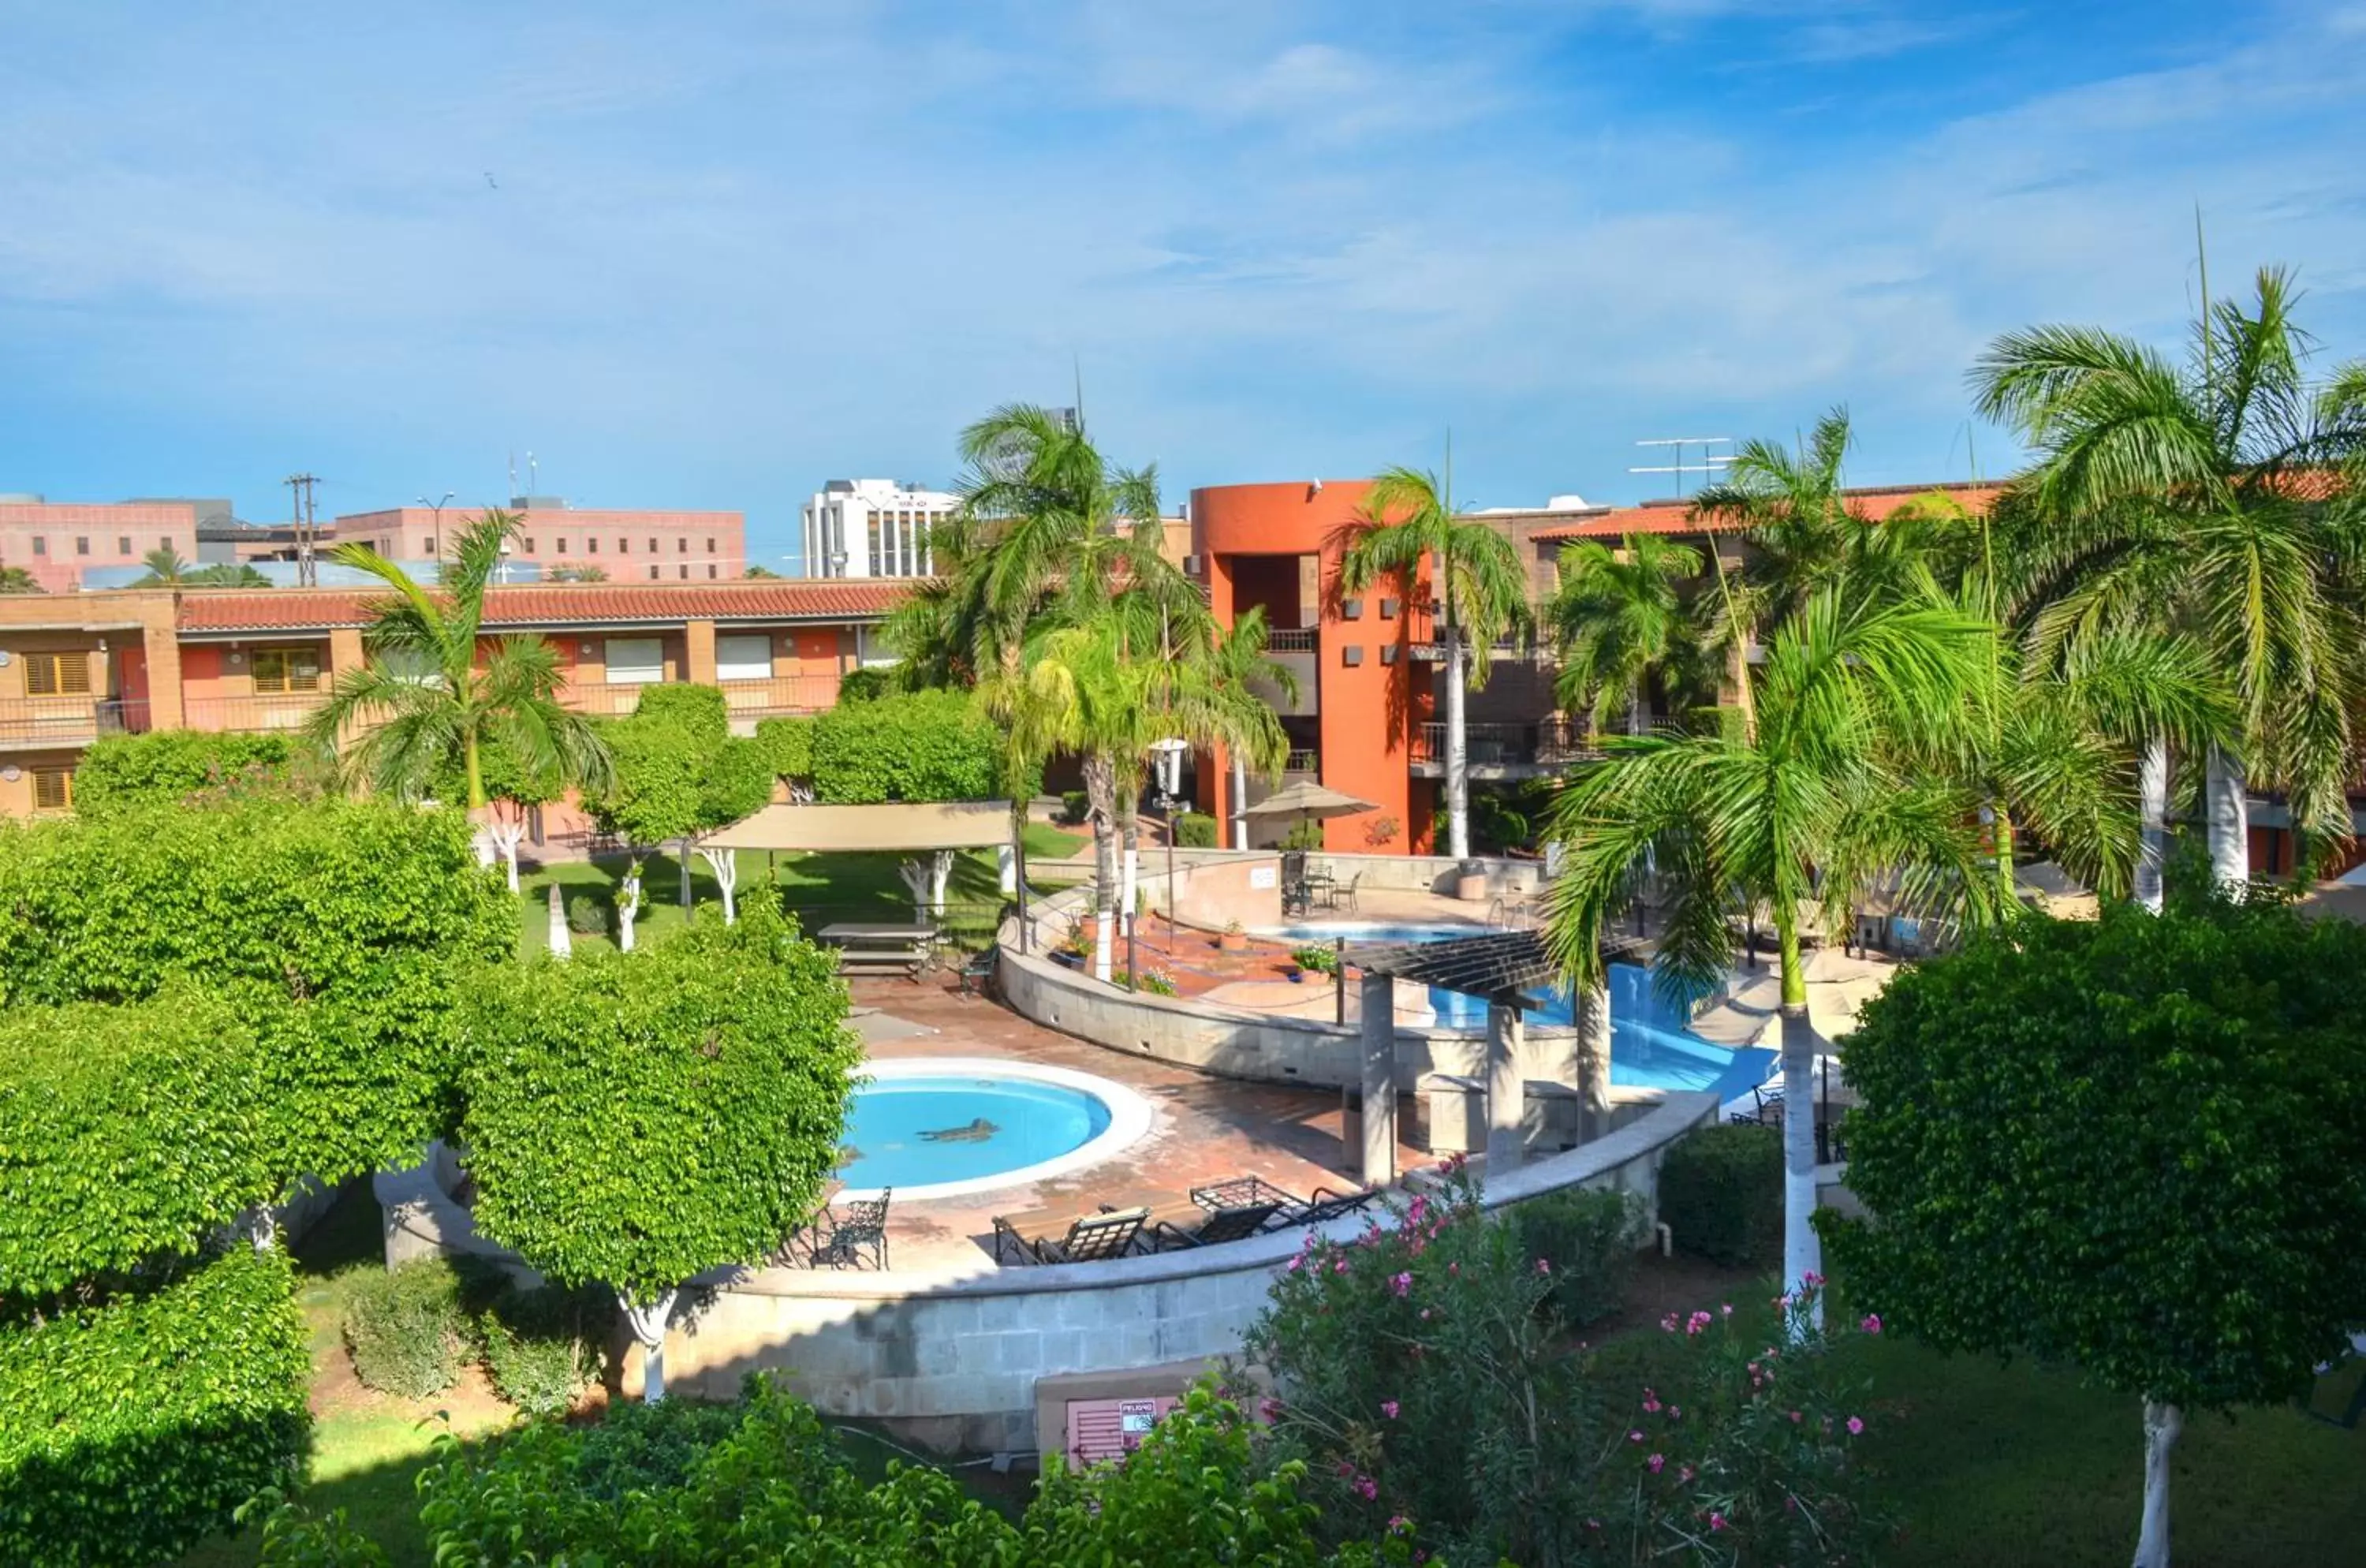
x: 821, y: 888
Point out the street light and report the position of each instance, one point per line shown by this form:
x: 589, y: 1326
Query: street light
x: 437, y: 508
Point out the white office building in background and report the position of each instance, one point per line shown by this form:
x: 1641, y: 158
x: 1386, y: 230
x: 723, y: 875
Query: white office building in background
x: 872, y: 528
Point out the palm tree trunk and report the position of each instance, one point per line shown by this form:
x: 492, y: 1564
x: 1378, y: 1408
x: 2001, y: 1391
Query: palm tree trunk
x: 1635, y: 709
x: 1100, y: 796
x: 1803, y: 1252
x: 1458, y: 758
x: 473, y: 770
x: 2224, y: 791
x: 2152, y: 798
x: 1739, y: 662
x: 2007, y: 889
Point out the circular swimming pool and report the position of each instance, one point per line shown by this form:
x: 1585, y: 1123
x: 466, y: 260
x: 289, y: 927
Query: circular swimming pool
x: 938, y: 1128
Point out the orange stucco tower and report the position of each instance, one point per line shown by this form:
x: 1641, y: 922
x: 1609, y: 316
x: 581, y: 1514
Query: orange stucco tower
x: 1364, y: 686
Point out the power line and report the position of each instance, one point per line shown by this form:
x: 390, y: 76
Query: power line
x: 300, y: 501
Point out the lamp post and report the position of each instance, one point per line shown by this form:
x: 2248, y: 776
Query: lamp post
x: 436, y: 509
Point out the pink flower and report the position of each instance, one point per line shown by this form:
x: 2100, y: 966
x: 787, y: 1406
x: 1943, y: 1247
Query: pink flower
x: 1686, y: 1473
x: 1635, y: 1437
x: 1715, y: 1520
x: 1668, y: 1324
x: 1402, y: 1283
x: 1543, y: 1267
x: 1399, y: 1524
x: 1811, y: 1280
x: 1340, y: 1267
x: 1455, y: 1270
x: 1425, y: 1314
x: 1794, y: 1417
x: 1855, y: 1426
x: 1727, y: 1310
x: 1367, y: 1488
x: 1293, y: 1264
x: 1698, y: 1322
x: 1655, y: 1461
x: 1269, y: 1408
x: 1389, y: 1408
x: 1872, y: 1323
x: 1675, y: 1412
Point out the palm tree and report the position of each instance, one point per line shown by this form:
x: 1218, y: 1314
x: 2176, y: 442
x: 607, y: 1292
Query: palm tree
x: 1407, y: 521
x: 1617, y: 618
x: 1828, y: 792
x: 17, y: 580
x: 2199, y: 501
x: 758, y: 571
x: 423, y: 703
x: 166, y: 568
x: 227, y: 575
x: 1237, y: 666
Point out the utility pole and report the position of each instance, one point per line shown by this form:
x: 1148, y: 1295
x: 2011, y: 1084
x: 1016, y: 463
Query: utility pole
x: 300, y: 501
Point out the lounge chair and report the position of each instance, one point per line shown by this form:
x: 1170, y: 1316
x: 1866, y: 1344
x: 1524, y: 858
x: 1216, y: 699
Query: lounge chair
x: 1243, y: 1192
x: 842, y: 1241
x: 1113, y: 1233
x: 1223, y: 1225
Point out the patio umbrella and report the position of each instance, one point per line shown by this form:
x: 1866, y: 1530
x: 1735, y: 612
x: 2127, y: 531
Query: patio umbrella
x: 1307, y: 801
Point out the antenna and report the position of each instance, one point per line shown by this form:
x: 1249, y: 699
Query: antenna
x: 514, y: 488
x: 1710, y: 463
x: 533, y: 476
x: 1079, y: 361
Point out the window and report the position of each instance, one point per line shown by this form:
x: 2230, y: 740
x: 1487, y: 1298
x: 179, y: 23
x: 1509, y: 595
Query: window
x: 710, y: 545
x: 278, y: 670
x: 624, y: 547
x: 682, y: 545
x: 635, y: 660
x: 123, y: 544
x: 590, y: 545
x: 430, y: 544
x: 562, y: 546
x: 682, y: 571
x: 653, y: 546
x: 53, y: 789
x: 529, y: 546
x: 653, y: 574
x: 57, y: 674
x: 40, y: 546
x: 869, y: 652
x: 82, y: 543
x: 710, y: 569
x: 744, y: 656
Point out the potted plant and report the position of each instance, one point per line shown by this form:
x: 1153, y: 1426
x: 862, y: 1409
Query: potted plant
x: 1313, y: 956
x: 1234, y: 938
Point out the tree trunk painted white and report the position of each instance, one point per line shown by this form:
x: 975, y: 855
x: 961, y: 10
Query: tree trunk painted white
x: 927, y: 880
x: 648, y: 1325
x: 263, y: 1228
x: 1240, y: 803
x: 1006, y: 866
x: 2152, y: 805
x: 628, y: 907
x: 685, y: 874
x: 1458, y: 758
x: 562, y: 940
x: 1803, y: 1250
x: 2226, y: 805
x: 2162, y: 1423
x: 1104, y: 941
x: 506, y: 836
x: 725, y: 864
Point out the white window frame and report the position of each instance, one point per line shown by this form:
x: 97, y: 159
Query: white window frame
x: 628, y: 666
x: 736, y: 656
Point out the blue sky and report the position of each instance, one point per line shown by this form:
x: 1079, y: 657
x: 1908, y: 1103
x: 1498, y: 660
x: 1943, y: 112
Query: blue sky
x: 730, y: 250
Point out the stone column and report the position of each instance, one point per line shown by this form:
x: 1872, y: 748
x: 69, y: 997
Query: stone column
x: 1506, y: 1098
x: 1594, y: 1063
x: 1378, y: 998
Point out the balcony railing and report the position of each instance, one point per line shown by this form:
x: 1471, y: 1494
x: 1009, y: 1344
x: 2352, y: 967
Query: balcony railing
x: 781, y: 694
x: 605, y: 701
x: 1547, y: 743
x: 68, y: 721
x: 252, y: 715
x: 1302, y: 761
x: 1292, y: 639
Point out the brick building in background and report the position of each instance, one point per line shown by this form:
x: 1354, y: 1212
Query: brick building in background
x: 57, y: 541
x: 628, y: 547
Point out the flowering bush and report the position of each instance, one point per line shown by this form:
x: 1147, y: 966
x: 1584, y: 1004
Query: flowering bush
x: 1424, y: 1373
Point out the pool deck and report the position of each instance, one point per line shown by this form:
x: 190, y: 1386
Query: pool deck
x: 1203, y: 1129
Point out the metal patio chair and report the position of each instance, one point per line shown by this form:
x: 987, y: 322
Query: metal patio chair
x: 843, y: 1240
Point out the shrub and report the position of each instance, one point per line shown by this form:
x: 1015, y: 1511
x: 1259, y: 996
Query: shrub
x: 701, y: 710
x: 407, y: 1328
x: 1157, y: 982
x: 1314, y: 955
x: 586, y: 914
x: 1721, y: 1194
x: 1381, y: 831
x: 1195, y: 830
x: 540, y: 1346
x: 867, y: 685
x: 1589, y: 1238
x: 132, y: 1427
x: 164, y: 767
x: 1074, y: 807
x: 126, y: 1133
x: 1303, y: 836
x: 788, y: 745
x: 909, y: 746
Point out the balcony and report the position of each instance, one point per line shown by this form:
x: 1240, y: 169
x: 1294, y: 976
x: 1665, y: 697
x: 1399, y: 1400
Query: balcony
x: 1293, y: 648
x: 41, y: 723
x: 781, y: 694
x: 605, y: 700
x: 1504, y: 751
x: 252, y: 716
x: 1306, y: 761
x: 1292, y: 639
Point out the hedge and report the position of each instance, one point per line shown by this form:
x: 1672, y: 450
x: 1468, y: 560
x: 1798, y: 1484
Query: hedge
x: 338, y: 930
x: 408, y: 1329
x: 165, y: 766
x: 913, y: 746
x: 1195, y: 830
x: 700, y: 709
x: 1721, y: 1194
x: 788, y: 745
x: 130, y: 1430
x: 126, y: 1134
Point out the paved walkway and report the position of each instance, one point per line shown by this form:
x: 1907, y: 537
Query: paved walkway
x: 1204, y: 1129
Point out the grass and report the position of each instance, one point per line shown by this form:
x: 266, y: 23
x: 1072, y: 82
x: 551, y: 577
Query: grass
x: 821, y: 888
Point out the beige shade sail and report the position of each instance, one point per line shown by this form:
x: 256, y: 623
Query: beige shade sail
x: 1310, y: 800
x: 912, y: 828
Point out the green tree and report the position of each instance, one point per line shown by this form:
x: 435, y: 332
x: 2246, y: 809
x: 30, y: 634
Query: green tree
x: 762, y: 572
x: 165, y: 568
x: 424, y: 700
x: 163, y: 767
x: 227, y: 575
x: 726, y: 1051
x: 2196, y: 499
x: 17, y: 580
x: 1236, y: 668
x: 2132, y: 1145
x: 1407, y: 527
x: 579, y: 572
x: 1828, y: 790
x: 1619, y: 618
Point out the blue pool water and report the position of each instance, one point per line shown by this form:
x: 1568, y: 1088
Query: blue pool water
x: 982, y: 1126
x: 1650, y: 1046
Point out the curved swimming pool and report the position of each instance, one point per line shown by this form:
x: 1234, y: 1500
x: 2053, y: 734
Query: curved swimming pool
x: 939, y: 1128
x: 1650, y: 1045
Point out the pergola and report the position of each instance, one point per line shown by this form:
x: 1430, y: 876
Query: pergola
x: 936, y: 830
x: 1509, y: 969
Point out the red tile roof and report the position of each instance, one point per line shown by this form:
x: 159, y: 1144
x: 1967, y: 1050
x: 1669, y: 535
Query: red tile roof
x: 1876, y: 503
x: 559, y: 604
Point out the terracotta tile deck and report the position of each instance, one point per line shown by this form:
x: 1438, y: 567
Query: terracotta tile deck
x: 1204, y: 1130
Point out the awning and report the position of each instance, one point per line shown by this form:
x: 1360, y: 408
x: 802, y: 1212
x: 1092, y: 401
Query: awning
x: 903, y: 828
